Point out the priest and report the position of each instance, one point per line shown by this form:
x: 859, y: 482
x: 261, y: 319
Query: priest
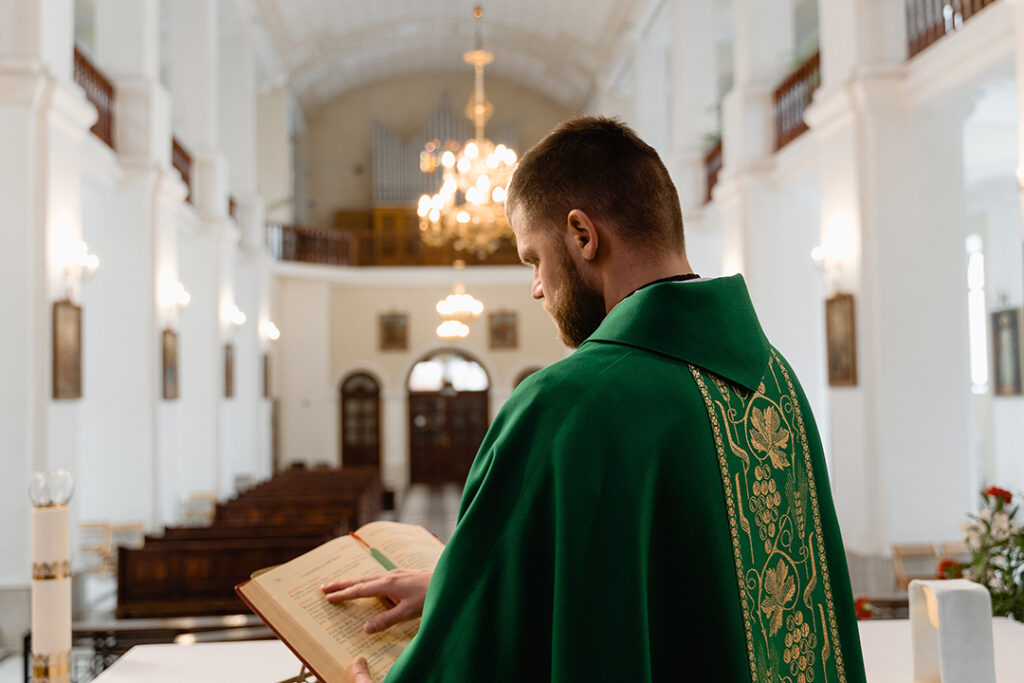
x: 655, y: 506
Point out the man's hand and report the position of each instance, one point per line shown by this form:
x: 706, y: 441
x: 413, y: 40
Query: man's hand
x: 404, y: 590
x: 361, y: 671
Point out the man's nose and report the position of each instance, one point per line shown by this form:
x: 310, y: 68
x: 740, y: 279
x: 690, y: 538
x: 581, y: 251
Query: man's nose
x: 537, y: 291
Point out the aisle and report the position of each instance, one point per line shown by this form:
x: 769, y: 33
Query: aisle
x: 432, y: 506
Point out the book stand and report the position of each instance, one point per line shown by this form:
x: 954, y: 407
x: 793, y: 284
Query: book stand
x: 305, y: 676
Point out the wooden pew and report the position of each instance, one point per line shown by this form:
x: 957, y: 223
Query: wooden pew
x: 193, y: 570
x: 176, y: 578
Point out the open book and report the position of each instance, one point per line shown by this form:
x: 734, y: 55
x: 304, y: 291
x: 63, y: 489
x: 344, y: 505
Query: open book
x: 327, y: 637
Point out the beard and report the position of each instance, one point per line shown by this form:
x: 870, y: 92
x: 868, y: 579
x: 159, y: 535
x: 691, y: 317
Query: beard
x: 579, y: 307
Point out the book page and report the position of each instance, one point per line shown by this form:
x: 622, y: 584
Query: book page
x: 337, y: 629
x: 407, y: 546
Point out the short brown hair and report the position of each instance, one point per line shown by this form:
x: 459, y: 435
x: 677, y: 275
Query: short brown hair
x: 600, y: 166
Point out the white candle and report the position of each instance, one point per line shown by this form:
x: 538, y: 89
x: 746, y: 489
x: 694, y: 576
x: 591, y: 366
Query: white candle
x: 51, y: 578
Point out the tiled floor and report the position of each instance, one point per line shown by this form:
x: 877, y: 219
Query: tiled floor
x: 434, y: 507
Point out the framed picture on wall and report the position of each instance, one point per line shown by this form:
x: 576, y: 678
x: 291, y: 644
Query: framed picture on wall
x: 170, y: 364
x: 841, y: 338
x: 394, y: 331
x: 229, y: 370
x: 502, y: 328
x: 1006, y: 371
x: 67, y: 350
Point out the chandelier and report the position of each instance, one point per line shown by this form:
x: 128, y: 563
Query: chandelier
x: 455, y: 309
x: 469, y: 209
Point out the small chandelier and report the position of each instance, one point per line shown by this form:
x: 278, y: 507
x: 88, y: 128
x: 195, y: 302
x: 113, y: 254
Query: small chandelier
x: 455, y: 310
x: 469, y: 209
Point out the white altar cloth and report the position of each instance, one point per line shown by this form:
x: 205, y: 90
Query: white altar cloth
x: 888, y: 657
x: 886, y: 645
x: 255, y: 661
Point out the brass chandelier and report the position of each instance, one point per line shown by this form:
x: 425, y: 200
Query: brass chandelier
x: 469, y: 209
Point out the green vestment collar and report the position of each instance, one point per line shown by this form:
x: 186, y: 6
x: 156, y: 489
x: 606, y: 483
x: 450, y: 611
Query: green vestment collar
x: 709, y: 323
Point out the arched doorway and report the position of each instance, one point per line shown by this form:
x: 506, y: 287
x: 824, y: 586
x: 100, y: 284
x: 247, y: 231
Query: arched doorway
x: 360, y: 421
x: 447, y: 416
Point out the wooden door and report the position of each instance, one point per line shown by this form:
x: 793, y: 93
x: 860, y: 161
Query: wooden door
x: 360, y: 421
x: 445, y: 432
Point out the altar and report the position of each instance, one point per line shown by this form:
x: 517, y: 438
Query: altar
x: 886, y: 644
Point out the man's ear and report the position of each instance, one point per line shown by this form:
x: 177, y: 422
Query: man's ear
x: 583, y: 234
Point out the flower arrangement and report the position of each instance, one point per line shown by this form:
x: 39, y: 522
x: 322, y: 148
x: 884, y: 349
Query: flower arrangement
x: 863, y: 608
x: 996, y: 543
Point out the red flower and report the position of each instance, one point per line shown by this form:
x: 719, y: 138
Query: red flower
x: 863, y: 608
x: 997, y: 492
x: 950, y: 569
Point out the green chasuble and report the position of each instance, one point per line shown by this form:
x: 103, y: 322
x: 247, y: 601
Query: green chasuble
x: 655, y: 507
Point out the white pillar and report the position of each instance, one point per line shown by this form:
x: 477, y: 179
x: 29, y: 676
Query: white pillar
x: 762, y: 48
x: 652, y: 81
x: 44, y: 119
x: 128, y: 38
x: 207, y: 247
x: 694, y: 97
x: 892, y: 190
x: 1019, y: 59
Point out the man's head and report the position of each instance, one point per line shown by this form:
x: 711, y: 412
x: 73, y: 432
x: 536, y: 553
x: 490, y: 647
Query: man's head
x: 600, y: 166
x: 596, y: 215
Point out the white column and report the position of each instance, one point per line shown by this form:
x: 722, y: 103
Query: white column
x: 207, y: 247
x: 892, y: 190
x: 142, y: 450
x: 652, y: 81
x: 1019, y: 59
x: 762, y: 54
x: 694, y: 97
x: 44, y: 119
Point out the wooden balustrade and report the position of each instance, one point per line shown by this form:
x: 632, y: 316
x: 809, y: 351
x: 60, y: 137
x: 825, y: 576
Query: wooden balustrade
x: 712, y: 166
x: 792, y: 97
x: 182, y: 160
x: 100, y: 91
x: 312, y: 245
x: 929, y: 20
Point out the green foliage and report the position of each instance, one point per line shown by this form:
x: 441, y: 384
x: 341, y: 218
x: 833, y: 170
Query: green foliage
x: 996, y: 544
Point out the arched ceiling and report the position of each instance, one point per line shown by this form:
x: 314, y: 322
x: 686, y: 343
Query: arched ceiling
x: 326, y: 47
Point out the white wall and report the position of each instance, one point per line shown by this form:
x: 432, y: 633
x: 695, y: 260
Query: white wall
x: 329, y: 329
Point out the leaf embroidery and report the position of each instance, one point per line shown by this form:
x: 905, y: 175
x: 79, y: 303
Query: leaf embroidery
x: 769, y: 436
x: 779, y: 589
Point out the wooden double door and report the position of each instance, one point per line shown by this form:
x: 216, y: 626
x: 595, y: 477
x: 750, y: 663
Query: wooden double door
x: 445, y: 431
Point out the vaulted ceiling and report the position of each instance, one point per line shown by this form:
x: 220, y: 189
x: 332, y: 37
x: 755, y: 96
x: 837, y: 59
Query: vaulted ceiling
x: 326, y: 47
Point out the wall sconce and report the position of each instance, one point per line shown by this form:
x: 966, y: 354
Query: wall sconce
x: 179, y: 295
x: 80, y: 265
x: 236, y: 317
x: 270, y: 331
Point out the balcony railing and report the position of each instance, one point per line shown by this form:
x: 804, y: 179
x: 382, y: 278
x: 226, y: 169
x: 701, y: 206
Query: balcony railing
x: 929, y: 20
x: 792, y: 97
x: 312, y: 245
x: 712, y: 165
x: 100, y: 92
x: 182, y: 160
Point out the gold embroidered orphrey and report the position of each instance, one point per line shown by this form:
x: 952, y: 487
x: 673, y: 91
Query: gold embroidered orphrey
x: 47, y: 571
x: 768, y: 482
x: 55, y: 668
